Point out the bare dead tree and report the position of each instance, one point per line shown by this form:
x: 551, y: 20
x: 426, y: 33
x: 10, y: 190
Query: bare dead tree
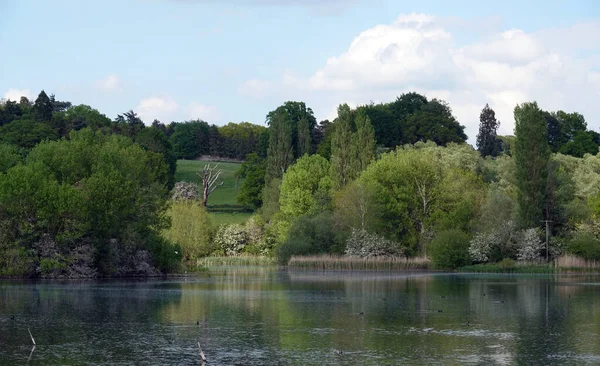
x: 209, y: 181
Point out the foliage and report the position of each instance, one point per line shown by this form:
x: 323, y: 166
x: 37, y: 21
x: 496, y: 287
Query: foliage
x: 9, y: 157
x: 449, y: 249
x: 530, y: 245
x: 191, y: 228
x: 494, y: 245
x: 411, y: 118
x: 352, y: 145
x: 26, y: 133
x: 252, y: 171
x: 306, y: 187
x: 91, y: 187
x: 308, y: 235
x: 291, y: 128
x: 487, y: 142
x: 586, y: 245
x: 532, y: 154
x: 231, y: 239
x: 365, y: 245
x: 185, y: 191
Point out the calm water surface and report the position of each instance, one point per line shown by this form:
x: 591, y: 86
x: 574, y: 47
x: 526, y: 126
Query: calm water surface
x: 275, y: 317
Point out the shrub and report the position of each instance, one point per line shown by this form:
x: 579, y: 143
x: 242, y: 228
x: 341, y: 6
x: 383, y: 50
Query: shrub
x: 231, y: 239
x: 185, y: 191
x: 529, y: 245
x: 507, y: 264
x: 190, y: 228
x: 308, y: 235
x: 585, y: 245
x: 365, y: 245
x: 449, y: 249
x: 494, y: 245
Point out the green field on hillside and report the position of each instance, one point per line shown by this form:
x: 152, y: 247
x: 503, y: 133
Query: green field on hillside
x: 222, y: 202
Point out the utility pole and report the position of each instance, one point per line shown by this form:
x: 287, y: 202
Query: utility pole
x: 547, y: 236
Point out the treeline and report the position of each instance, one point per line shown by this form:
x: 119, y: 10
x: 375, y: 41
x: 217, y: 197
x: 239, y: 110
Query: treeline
x: 439, y: 198
x: 83, y: 195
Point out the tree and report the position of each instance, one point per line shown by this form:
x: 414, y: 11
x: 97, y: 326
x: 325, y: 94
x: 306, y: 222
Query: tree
x: 42, y: 108
x: 352, y: 145
x: 209, y: 181
x: 532, y: 154
x: 190, y: 139
x: 583, y: 143
x: 291, y: 128
x: 252, y: 172
x: 341, y: 147
x: 434, y: 122
x: 280, y: 154
x: 306, y: 187
x: 487, y: 140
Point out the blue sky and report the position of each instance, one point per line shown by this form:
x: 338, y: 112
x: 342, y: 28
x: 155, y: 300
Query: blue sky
x: 236, y: 60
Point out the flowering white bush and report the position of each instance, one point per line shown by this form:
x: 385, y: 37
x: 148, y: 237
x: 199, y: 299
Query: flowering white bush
x: 232, y: 239
x: 499, y: 240
x: 480, y: 247
x: 362, y: 244
x: 185, y: 191
x: 529, y: 245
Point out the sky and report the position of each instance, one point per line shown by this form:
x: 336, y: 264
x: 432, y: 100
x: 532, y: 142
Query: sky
x: 236, y: 60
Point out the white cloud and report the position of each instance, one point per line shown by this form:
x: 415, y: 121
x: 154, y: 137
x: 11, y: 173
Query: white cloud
x: 16, y: 94
x: 166, y: 109
x: 111, y: 83
x: 159, y: 108
x: 558, y: 67
x: 204, y: 112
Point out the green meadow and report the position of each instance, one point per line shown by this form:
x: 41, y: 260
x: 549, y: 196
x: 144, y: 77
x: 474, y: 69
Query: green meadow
x: 222, y: 204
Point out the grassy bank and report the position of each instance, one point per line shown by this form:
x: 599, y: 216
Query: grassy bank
x: 331, y: 262
x: 563, y: 264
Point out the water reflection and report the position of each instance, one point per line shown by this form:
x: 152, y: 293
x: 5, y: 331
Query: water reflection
x: 265, y: 316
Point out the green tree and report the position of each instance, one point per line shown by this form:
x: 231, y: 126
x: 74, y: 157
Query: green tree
x: 280, y: 154
x: 582, y: 143
x: 190, y: 139
x: 42, y: 108
x: 306, y: 187
x: 532, y: 154
x: 341, y: 148
x: 352, y: 145
x: 252, y: 172
x: 9, y: 157
x: 487, y: 140
x: 26, y: 133
x: 291, y: 127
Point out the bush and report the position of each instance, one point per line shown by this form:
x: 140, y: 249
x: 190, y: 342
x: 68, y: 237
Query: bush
x: 231, y: 239
x: 308, y: 235
x: 449, y: 249
x: 585, y: 245
x: 365, y: 245
x: 190, y: 228
x: 494, y: 245
x: 529, y: 245
x: 185, y: 191
x: 507, y: 264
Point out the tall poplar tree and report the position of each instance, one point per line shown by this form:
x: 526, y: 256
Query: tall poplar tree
x: 487, y: 140
x: 352, y: 145
x: 532, y: 154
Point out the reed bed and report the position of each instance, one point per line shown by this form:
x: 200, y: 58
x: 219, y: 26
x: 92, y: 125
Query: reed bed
x: 236, y: 261
x: 569, y: 262
x: 331, y: 262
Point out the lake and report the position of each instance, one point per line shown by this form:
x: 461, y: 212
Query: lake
x: 262, y: 316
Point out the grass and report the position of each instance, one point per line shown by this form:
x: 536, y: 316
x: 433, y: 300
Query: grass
x: 236, y: 261
x: 222, y: 204
x: 331, y: 262
x: 564, y: 263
